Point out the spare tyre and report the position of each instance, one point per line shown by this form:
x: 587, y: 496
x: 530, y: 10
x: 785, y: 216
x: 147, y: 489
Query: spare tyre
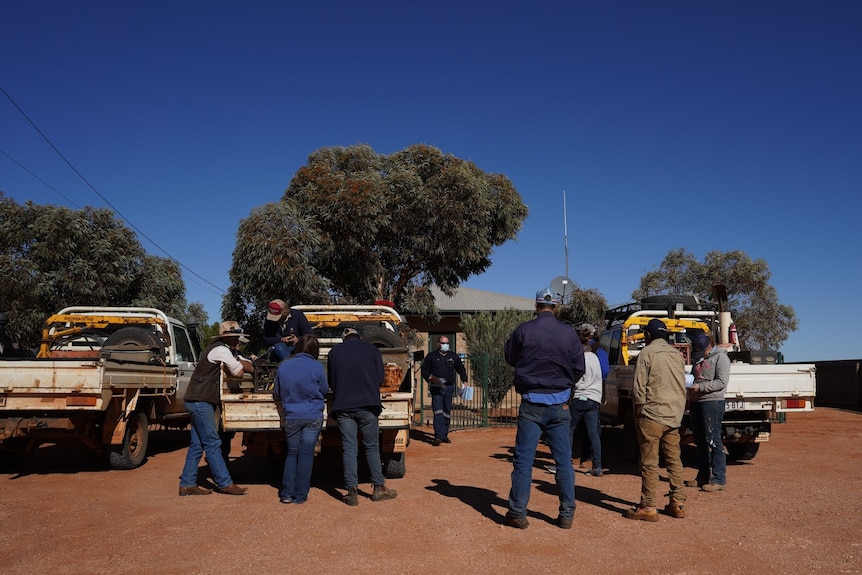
x: 135, y: 338
x: 380, y: 337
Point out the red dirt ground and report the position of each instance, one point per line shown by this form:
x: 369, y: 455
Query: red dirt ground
x: 796, y: 508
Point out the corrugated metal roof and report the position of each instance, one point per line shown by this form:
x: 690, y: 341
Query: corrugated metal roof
x: 468, y: 300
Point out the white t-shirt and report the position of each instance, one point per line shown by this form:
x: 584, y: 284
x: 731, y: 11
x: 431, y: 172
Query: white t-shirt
x: 590, y: 385
x: 223, y: 354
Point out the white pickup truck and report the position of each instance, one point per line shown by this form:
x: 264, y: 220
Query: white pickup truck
x: 102, y: 376
x: 248, y: 406
x: 761, y: 390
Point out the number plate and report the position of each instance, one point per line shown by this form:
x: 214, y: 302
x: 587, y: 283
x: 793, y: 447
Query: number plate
x: 734, y: 406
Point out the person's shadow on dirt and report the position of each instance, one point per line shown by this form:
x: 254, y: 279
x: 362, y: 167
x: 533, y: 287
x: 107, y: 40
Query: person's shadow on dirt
x: 480, y: 499
x: 587, y: 495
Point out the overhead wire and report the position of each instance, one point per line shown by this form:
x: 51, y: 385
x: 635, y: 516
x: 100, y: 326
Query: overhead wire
x: 92, y: 187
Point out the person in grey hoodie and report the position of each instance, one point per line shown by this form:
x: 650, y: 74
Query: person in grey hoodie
x: 711, y: 370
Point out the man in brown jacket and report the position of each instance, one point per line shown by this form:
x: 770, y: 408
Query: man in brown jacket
x: 659, y: 396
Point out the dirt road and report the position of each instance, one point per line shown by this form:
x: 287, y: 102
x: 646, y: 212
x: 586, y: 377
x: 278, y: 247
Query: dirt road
x: 796, y: 508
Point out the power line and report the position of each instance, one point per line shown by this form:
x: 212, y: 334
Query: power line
x: 118, y: 212
x: 59, y: 193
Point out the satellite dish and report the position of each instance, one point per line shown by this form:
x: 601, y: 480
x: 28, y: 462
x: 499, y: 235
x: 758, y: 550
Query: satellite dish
x: 564, y: 287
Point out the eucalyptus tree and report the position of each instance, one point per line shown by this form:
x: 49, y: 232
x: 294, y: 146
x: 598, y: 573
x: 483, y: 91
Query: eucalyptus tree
x: 762, y: 321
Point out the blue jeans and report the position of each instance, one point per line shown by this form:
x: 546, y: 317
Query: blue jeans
x: 281, y: 351
x: 588, y: 410
x: 706, y: 417
x: 301, y: 435
x: 364, y: 422
x: 555, y: 422
x: 441, y: 404
x: 204, y: 438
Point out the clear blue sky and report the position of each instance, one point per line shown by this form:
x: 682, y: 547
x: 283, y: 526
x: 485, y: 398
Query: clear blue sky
x: 708, y: 125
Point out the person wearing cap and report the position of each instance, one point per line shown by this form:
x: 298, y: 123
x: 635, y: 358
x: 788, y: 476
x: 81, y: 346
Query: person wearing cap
x: 438, y: 369
x: 282, y: 328
x: 548, y: 359
x: 201, y: 401
x: 589, y: 337
x: 659, y: 403
x: 300, y: 388
x: 711, y: 370
x: 355, y: 370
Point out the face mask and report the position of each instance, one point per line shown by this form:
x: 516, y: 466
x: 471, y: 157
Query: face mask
x: 444, y: 347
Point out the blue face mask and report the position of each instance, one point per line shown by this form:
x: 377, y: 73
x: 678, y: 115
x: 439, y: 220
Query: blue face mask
x: 444, y: 347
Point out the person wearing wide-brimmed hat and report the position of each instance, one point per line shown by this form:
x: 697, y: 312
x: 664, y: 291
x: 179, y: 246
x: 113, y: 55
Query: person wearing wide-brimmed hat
x: 201, y: 400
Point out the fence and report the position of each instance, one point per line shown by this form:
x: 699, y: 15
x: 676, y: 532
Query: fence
x: 494, y: 404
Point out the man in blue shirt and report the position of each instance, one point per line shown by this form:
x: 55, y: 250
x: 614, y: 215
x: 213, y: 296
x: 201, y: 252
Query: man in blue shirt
x: 438, y: 369
x: 548, y: 359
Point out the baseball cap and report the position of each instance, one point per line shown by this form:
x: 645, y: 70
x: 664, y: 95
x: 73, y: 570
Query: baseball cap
x: 348, y: 331
x: 546, y: 296
x: 656, y: 329
x: 700, y: 343
x: 274, y: 310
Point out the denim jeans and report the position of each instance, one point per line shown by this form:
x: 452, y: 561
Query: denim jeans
x: 706, y: 417
x: 588, y: 411
x: 555, y: 422
x: 204, y: 438
x: 281, y: 351
x: 652, y: 437
x: 364, y: 422
x: 301, y: 435
x: 441, y: 404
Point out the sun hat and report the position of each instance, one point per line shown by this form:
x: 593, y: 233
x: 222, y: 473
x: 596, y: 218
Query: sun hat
x: 231, y: 329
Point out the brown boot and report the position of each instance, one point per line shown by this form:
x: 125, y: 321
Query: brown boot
x: 641, y: 513
x: 675, y: 509
x: 382, y: 493
x: 352, y: 497
x: 194, y: 490
x: 232, y: 489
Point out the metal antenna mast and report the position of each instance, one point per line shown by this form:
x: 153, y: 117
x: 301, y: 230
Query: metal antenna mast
x: 565, y: 234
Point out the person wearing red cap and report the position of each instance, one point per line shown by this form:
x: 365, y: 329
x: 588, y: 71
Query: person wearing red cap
x: 282, y: 328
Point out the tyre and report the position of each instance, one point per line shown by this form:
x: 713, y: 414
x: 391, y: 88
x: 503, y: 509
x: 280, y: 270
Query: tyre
x: 394, y: 466
x: 133, y: 451
x: 13, y: 453
x: 380, y: 337
x: 742, y: 451
x: 135, y: 337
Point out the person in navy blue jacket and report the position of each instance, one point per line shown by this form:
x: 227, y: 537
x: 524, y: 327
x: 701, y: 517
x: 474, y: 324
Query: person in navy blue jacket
x: 282, y: 328
x: 438, y: 369
x: 548, y: 359
x: 355, y: 370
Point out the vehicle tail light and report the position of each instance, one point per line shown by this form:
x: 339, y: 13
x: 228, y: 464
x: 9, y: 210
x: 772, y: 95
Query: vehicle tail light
x: 81, y: 401
x: 795, y: 404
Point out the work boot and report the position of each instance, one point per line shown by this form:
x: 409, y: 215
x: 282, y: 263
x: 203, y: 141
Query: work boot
x: 565, y: 522
x: 516, y: 522
x: 675, y: 509
x: 382, y: 493
x: 195, y: 490
x: 712, y: 487
x: 352, y: 497
x: 642, y: 513
x: 232, y: 489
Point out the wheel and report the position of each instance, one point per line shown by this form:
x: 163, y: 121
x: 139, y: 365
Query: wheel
x: 742, y: 451
x: 394, y: 466
x: 13, y: 453
x: 380, y: 337
x: 136, y: 337
x: 133, y: 451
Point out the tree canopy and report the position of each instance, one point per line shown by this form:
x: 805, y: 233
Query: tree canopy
x: 361, y: 226
x: 762, y: 322
x: 52, y: 257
